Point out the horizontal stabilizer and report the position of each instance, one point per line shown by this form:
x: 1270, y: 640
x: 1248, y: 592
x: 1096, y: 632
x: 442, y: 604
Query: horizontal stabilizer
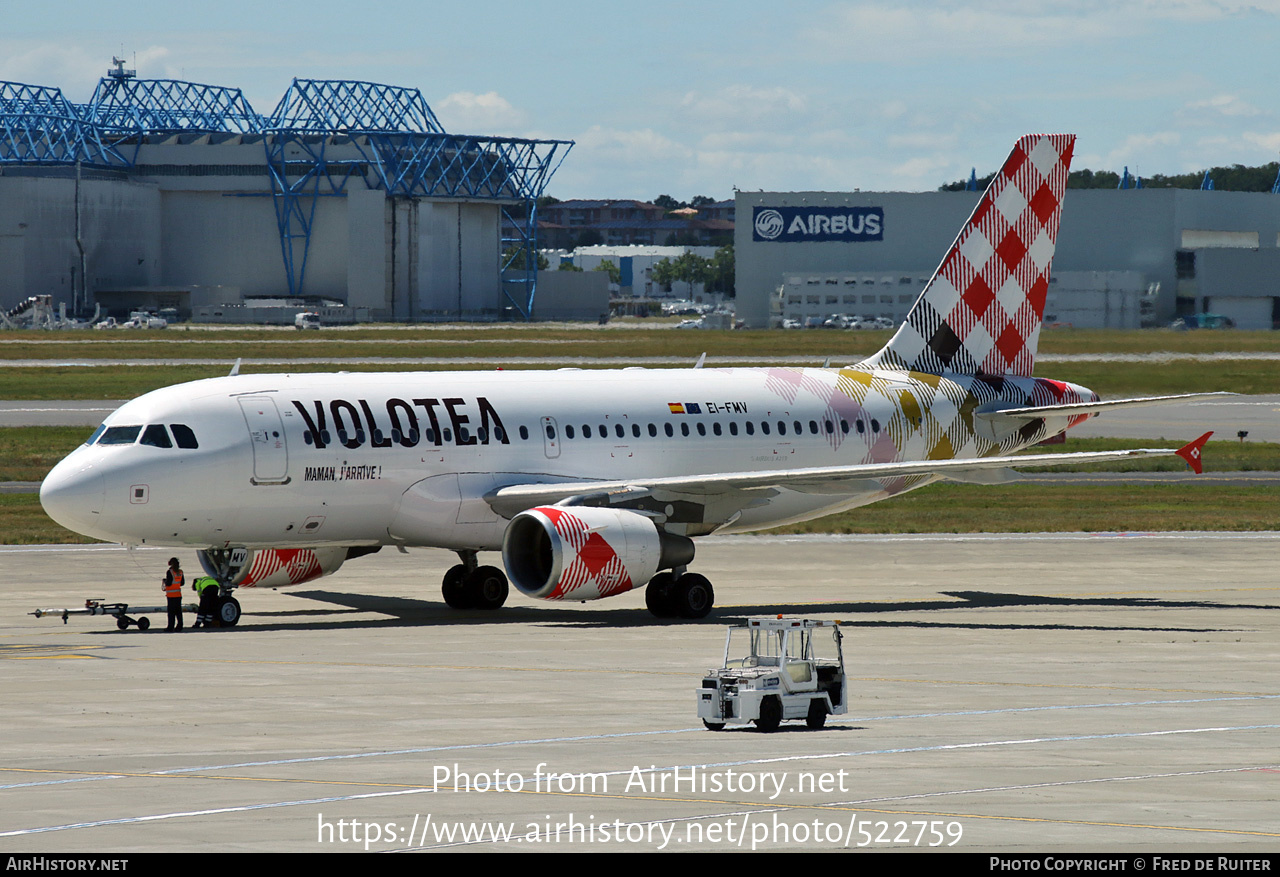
x: 984, y: 476
x: 1071, y: 409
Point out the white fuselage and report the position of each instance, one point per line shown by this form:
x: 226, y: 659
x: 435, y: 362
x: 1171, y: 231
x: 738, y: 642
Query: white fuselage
x: 370, y: 459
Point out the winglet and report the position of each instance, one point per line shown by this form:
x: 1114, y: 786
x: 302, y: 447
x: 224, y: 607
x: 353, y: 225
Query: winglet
x: 1191, y: 452
x: 235, y: 369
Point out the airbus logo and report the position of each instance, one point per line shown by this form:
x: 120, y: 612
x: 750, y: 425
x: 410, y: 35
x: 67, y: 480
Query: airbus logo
x: 769, y: 224
x: 818, y: 224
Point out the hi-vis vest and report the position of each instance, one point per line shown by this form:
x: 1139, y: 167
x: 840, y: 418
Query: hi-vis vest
x: 174, y: 588
x: 203, y: 583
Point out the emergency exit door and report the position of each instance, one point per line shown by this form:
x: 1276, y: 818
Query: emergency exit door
x: 266, y: 434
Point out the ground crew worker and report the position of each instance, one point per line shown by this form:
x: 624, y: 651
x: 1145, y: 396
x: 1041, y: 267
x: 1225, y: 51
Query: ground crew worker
x: 207, y: 588
x: 172, y: 587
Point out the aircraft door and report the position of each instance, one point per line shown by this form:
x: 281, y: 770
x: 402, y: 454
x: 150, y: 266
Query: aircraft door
x: 550, y: 438
x: 266, y: 434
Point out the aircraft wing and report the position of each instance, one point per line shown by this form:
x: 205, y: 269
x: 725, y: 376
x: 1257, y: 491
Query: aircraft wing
x: 511, y: 500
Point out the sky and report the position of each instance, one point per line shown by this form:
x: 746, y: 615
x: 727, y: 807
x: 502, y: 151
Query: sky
x: 685, y: 98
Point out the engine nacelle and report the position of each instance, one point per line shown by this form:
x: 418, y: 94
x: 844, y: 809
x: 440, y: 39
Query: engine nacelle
x: 585, y: 553
x: 271, y: 567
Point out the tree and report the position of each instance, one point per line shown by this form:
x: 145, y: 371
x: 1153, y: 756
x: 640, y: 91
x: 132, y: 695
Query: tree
x: 614, y: 272
x: 663, y: 273
x: 666, y: 202
x: 720, y: 271
x: 513, y: 259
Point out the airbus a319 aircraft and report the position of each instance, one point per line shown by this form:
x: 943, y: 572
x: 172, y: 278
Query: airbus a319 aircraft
x: 593, y: 483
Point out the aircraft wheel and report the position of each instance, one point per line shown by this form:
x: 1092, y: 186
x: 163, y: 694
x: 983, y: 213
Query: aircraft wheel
x: 228, y: 612
x: 144, y: 623
x: 770, y: 714
x: 817, y: 717
x: 487, y: 588
x: 693, y: 596
x: 454, y: 587
x: 658, y: 595
x: 713, y: 726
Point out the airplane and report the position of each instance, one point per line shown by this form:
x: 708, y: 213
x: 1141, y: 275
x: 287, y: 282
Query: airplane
x: 593, y: 483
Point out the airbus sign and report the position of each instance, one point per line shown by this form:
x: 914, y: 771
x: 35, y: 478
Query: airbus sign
x: 817, y: 224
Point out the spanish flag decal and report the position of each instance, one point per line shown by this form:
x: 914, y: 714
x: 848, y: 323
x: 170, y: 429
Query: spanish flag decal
x: 676, y: 407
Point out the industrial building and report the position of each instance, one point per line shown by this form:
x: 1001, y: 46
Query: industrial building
x: 349, y: 196
x: 1125, y: 258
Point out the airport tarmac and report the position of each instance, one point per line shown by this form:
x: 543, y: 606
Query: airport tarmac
x: 1070, y: 692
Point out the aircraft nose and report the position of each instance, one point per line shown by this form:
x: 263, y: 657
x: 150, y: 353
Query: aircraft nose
x: 73, y: 494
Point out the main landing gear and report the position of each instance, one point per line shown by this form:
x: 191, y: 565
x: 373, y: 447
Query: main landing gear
x: 468, y: 585
x: 679, y: 595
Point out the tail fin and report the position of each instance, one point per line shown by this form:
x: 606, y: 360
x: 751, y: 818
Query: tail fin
x: 980, y: 312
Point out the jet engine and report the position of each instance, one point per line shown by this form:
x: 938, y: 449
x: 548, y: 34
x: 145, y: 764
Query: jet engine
x: 585, y: 553
x: 271, y: 567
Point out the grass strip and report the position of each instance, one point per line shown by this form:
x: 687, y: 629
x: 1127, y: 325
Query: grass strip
x: 1110, y: 380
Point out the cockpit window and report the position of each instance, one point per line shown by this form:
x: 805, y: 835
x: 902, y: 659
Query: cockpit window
x: 156, y: 436
x: 97, y: 432
x: 120, y: 435
x: 183, y: 435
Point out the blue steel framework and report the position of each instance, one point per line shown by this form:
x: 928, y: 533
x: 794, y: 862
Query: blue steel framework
x: 400, y: 145
x: 39, y: 126
x: 401, y: 149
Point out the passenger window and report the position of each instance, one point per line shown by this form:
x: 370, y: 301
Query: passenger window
x: 875, y: 425
x: 764, y: 427
x: 120, y: 435
x: 524, y: 433
x: 702, y: 429
x: 619, y: 431
x: 684, y: 428
x: 813, y: 427
x: 156, y: 436
x: 653, y: 431
x: 586, y: 430
x: 715, y: 427
x: 568, y: 431
x: 666, y: 427
x: 782, y: 427
x: 551, y: 431
x: 733, y: 427
x: 635, y: 430
x: 751, y: 428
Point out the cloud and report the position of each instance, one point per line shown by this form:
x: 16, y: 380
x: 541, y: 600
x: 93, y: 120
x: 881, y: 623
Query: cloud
x: 908, y: 32
x: 1224, y: 105
x: 465, y: 112
x: 735, y: 104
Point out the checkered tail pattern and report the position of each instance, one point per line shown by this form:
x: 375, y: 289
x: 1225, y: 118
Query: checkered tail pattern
x: 980, y: 313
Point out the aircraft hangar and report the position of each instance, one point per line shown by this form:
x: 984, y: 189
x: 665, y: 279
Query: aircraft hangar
x: 1125, y: 257
x: 174, y: 194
